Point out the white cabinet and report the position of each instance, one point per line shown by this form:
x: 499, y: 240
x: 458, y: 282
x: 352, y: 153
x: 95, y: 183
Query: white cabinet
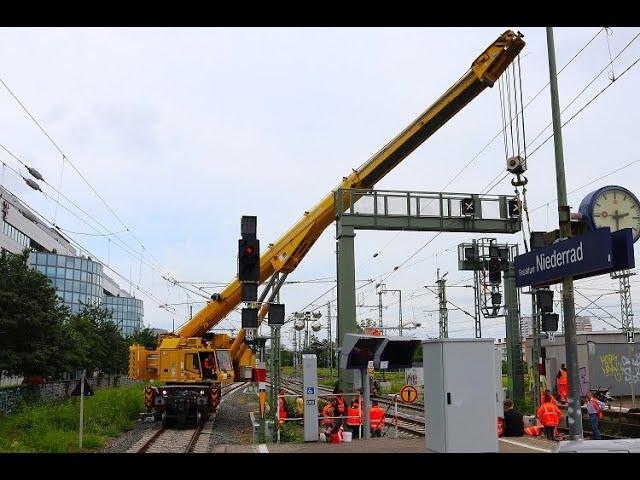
x: 460, y: 395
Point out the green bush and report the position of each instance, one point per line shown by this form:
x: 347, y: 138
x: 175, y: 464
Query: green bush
x: 53, y: 427
x: 291, y: 432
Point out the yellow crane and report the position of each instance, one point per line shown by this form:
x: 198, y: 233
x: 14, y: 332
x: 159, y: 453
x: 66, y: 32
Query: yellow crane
x: 194, y: 363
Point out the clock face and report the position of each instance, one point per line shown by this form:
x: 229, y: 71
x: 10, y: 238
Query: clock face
x: 616, y: 209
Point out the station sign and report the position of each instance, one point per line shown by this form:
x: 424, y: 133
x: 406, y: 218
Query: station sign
x: 593, y: 253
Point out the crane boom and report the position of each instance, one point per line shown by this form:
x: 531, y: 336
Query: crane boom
x: 285, y: 254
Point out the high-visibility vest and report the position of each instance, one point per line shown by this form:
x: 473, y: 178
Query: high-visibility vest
x: 533, y: 431
x: 282, y: 411
x: 596, y: 405
x: 562, y: 379
x: 353, y: 415
x: 325, y: 413
x: 340, y: 405
x: 376, y: 416
x: 549, y: 414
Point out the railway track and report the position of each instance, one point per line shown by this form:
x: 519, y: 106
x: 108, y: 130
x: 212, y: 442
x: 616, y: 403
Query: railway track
x: 187, y: 440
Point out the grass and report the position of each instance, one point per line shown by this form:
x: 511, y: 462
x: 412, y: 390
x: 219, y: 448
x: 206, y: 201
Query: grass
x: 53, y: 427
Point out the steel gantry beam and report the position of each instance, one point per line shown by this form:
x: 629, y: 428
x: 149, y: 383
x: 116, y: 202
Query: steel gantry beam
x: 410, y: 211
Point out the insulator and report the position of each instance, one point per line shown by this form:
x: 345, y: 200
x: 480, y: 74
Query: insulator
x: 32, y: 184
x: 35, y: 173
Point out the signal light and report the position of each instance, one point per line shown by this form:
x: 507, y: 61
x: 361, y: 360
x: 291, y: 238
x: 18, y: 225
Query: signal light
x: 276, y: 314
x: 495, y: 273
x: 249, y: 260
x: 467, y: 207
x: 514, y: 208
x: 550, y: 322
x: 249, y: 318
x: 544, y: 300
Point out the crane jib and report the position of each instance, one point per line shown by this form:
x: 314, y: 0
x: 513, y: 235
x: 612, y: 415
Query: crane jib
x: 286, y: 253
x: 425, y: 131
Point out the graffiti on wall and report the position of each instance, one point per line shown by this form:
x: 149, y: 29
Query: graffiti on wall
x: 625, y: 368
x: 616, y: 366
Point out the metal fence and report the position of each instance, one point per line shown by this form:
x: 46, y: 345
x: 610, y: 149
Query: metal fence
x: 12, y: 397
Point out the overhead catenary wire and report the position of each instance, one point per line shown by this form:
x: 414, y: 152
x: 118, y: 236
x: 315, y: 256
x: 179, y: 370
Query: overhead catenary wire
x: 101, y: 228
x: 570, y: 119
x: 68, y: 160
x: 82, y: 248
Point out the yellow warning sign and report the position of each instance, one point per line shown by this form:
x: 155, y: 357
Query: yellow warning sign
x: 408, y: 394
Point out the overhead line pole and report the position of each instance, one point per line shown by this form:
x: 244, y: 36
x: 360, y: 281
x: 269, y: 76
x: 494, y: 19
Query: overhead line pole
x: 574, y: 412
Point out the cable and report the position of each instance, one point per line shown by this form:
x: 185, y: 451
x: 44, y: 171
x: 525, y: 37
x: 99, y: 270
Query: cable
x: 65, y: 157
x: 83, y: 249
x: 524, y: 108
x: 573, y: 116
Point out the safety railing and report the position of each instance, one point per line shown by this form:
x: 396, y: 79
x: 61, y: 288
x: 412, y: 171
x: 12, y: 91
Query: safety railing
x: 418, y: 204
x: 322, y: 417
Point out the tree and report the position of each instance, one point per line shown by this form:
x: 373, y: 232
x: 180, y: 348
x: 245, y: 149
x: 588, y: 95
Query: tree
x: 98, y: 344
x: 33, y: 340
x: 144, y: 337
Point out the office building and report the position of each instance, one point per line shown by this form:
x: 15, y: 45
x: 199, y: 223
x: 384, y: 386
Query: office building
x: 78, y: 280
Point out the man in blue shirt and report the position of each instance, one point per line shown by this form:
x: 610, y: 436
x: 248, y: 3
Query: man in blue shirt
x: 594, y: 407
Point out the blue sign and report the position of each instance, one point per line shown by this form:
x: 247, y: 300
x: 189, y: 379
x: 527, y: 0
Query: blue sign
x: 582, y: 256
x: 310, y: 390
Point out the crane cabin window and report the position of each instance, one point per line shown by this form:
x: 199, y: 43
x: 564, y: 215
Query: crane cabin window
x: 192, y: 363
x: 224, y: 360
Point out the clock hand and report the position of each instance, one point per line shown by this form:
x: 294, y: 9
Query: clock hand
x: 617, y: 218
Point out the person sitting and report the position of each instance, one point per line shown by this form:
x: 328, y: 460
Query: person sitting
x: 331, y: 425
x: 513, y: 425
x: 208, y: 366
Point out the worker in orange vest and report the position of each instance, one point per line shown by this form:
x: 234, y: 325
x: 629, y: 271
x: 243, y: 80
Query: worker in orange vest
x: 533, y: 431
x: 354, y: 418
x: 328, y: 412
x: 561, y: 380
x: 282, y: 406
x: 341, y: 407
x: 548, y: 392
x: 549, y: 415
x: 376, y: 418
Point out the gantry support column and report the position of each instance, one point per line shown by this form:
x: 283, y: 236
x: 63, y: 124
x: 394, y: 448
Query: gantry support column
x: 514, y: 340
x: 346, y: 277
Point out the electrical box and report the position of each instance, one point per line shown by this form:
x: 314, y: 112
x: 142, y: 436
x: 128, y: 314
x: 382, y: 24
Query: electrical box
x: 460, y: 395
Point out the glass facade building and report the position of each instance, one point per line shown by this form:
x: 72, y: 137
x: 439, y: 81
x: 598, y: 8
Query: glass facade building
x: 78, y: 282
x: 15, y: 234
x: 126, y: 311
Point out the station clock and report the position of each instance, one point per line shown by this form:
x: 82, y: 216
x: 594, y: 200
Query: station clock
x: 614, y: 207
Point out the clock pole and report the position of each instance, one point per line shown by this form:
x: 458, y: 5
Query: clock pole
x: 574, y: 412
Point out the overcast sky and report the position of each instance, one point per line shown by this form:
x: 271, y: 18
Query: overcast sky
x: 184, y: 130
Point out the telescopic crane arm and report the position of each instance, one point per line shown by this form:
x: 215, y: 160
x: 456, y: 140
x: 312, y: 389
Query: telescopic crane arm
x: 285, y: 254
